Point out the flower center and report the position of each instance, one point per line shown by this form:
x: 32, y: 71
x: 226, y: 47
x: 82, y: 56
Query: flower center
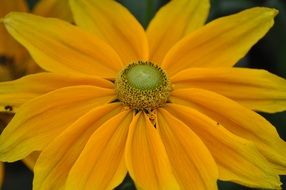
x: 143, y: 85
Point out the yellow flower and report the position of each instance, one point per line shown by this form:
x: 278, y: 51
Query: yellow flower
x: 14, y: 59
x: 164, y: 105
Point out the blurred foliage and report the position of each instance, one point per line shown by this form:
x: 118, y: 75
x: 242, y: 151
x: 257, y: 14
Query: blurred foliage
x: 269, y: 54
x: 145, y: 10
x: 31, y: 3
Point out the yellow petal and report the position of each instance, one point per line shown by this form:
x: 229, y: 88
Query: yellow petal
x: 114, y: 24
x: 101, y: 163
x: 192, y: 163
x: 173, y: 22
x: 8, y: 46
x: 238, y: 120
x: 15, y: 93
x: 146, y: 158
x: 1, y: 174
x: 256, y: 89
x: 57, y: 159
x: 15, y: 5
x: 12, y: 54
x: 222, y: 42
x: 61, y: 47
x: 54, y: 8
x: 41, y: 119
x: 238, y: 160
x: 30, y: 160
x: 32, y: 67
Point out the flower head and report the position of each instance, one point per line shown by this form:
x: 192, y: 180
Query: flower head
x: 164, y: 105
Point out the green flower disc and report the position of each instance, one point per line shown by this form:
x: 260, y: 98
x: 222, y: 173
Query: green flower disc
x: 144, y: 77
x: 143, y: 85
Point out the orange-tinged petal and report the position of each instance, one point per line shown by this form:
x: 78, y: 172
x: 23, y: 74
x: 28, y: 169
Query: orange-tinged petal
x: 15, y: 93
x: 5, y: 73
x: 60, y: 47
x: 1, y: 174
x: 172, y: 22
x: 192, y: 163
x: 54, y: 8
x: 101, y: 164
x: 222, y: 42
x: 56, y: 160
x: 41, y: 119
x: 12, y: 54
x: 238, y: 160
x: 32, y: 67
x: 31, y: 160
x: 256, y: 89
x: 15, y: 5
x: 8, y: 46
x: 146, y: 158
x: 114, y: 24
x: 238, y: 120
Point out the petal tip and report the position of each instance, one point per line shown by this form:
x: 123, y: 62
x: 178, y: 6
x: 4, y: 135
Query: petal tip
x: 265, y: 11
x: 271, y: 11
x: 7, y: 18
x: 275, y: 12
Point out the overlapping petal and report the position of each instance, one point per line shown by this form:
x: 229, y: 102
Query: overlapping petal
x: 256, y: 89
x: 8, y: 45
x: 60, y: 47
x: 15, y: 93
x: 222, y: 42
x: 31, y: 160
x: 54, y: 8
x: 60, y: 155
x: 114, y: 24
x: 12, y: 54
x: 16, y: 5
x: 238, y: 160
x: 104, y: 153
x: 238, y: 120
x: 192, y: 163
x: 14, y: 59
x: 146, y: 158
x: 172, y: 22
x: 40, y: 120
x: 5, y: 73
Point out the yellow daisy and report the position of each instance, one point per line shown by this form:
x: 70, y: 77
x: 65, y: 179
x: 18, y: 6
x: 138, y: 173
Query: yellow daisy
x: 164, y: 105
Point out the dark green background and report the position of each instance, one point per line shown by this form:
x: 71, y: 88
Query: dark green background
x: 269, y: 54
